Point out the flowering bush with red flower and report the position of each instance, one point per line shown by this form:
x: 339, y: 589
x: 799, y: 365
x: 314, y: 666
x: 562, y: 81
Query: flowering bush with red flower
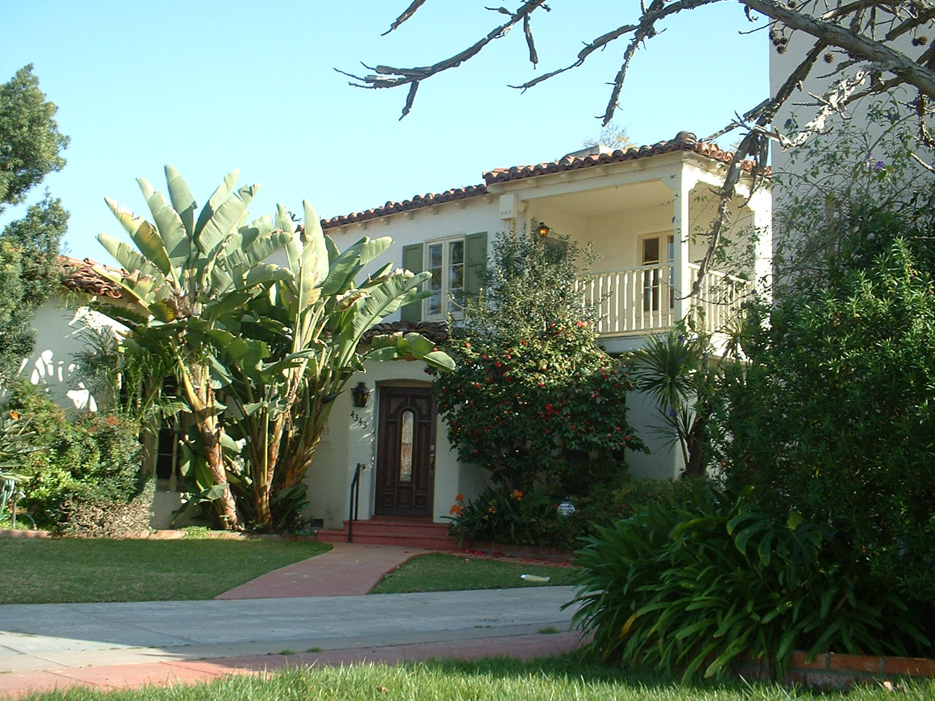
x: 534, y: 398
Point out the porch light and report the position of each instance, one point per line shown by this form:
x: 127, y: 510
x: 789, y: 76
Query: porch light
x: 360, y: 393
x: 543, y: 229
x: 566, y: 508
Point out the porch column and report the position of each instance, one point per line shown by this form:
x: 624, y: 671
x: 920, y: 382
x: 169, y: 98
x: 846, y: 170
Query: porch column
x: 761, y: 206
x: 681, y: 236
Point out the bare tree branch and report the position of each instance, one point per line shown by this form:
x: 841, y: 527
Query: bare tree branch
x: 864, y: 30
x: 407, y: 13
x: 530, y: 44
x: 390, y: 77
x: 857, y: 45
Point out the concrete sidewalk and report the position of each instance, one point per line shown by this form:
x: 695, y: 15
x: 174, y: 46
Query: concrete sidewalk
x: 118, y: 645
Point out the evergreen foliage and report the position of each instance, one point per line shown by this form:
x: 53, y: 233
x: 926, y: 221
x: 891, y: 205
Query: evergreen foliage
x: 534, y: 398
x: 30, y: 146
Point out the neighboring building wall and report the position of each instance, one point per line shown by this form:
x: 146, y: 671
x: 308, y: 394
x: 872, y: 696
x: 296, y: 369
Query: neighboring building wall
x: 60, y: 331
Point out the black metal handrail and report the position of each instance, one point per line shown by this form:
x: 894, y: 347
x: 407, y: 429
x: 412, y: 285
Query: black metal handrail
x: 353, y: 510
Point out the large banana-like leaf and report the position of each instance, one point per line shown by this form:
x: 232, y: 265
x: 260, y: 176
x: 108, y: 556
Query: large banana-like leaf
x: 228, y: 304
x: 307, y: 280
x: 147, y: 237
x: 151, y: 288
x: 315, y: 242
x: 264, y: 246
x: 215, y: 201
x: 267, y: 273
x: 333, y: 251
x: 384, y: 299
x: 143, y: 291
x: 283, y: 220
x: 261, y: 227
x: 224, y: 221
x: 377, y: 276
x: 175, y: 239
x: 345, y: 268
x: 412, y: 345
x: 129, y: 258
x: 182, y: 200
x: 142, y: 232
x: 221, y: 281
x: 372, y: 248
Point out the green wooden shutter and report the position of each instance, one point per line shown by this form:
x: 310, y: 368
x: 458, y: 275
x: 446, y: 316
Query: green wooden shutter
x: 412, y: 261
x: 475, y: 261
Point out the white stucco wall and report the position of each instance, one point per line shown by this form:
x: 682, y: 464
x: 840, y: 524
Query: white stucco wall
x: 60, y: 331
x: 351, y: 439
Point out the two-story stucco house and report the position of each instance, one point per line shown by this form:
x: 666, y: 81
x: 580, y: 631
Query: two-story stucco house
x: 638, y: 208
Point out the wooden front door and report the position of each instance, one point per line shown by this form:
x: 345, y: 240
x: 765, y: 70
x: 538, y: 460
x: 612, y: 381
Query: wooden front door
x: 406, y: 452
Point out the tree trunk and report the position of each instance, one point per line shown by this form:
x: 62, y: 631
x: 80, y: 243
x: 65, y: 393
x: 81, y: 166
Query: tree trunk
x: 696, y: 445
x: 203, y: 404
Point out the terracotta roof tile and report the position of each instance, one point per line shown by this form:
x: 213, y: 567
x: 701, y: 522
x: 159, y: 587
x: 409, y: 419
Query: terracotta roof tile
x: 435, y: 331
x: 80, y: 276
x: 458, y: 193
x: 683, y: 141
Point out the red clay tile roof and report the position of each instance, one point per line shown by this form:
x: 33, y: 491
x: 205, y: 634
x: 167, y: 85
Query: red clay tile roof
x: 683, y: 141
x: 457, y: 193
x: 79, y: 276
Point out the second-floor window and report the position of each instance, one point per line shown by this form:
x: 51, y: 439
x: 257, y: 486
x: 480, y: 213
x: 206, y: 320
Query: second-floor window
x: 457, y: 265
x: 445, y: 260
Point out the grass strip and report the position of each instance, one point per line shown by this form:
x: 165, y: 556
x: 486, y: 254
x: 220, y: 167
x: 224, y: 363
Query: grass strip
x: 438, y: 572
x: 564, y: 677
x: 72, y: 570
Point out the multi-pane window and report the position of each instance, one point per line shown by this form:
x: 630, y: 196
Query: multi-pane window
x: 652, y: 277
x: 445, y: 260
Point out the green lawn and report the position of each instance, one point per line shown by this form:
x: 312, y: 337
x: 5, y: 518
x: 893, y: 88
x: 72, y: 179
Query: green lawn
x: 566, y: 677
x: 45, y: 570
x: 453, y: 572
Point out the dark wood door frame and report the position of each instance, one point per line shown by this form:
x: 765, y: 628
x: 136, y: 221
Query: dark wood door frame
x: 405, y: 452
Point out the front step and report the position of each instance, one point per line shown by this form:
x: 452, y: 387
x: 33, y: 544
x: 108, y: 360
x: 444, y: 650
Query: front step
x: 384, y: 530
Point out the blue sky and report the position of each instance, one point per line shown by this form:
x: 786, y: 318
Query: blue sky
x: 210, y: 87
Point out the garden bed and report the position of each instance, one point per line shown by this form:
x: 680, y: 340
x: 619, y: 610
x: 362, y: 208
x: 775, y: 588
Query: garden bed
x: 834, y: 671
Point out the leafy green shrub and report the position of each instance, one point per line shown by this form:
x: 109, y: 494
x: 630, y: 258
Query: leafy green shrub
x: 693, y: 585
x: 833, y: 413
x: 678, y: 372
x: 501, y: 515
x: 91, y: 460
x: 82, y: 513
x: 534, y: 398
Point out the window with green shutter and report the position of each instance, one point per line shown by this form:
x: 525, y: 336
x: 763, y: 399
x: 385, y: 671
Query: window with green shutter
x: 457, y: 266
x: 412, y: 261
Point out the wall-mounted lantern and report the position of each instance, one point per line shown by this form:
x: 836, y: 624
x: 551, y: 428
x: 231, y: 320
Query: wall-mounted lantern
x: 543, y: 229
x: 360, y: 393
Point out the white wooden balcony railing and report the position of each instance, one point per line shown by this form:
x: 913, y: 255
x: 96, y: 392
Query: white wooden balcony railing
x: 642, y: 299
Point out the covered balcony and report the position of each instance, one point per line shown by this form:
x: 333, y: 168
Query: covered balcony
x: 645, y: 215
x: 643, y: 300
